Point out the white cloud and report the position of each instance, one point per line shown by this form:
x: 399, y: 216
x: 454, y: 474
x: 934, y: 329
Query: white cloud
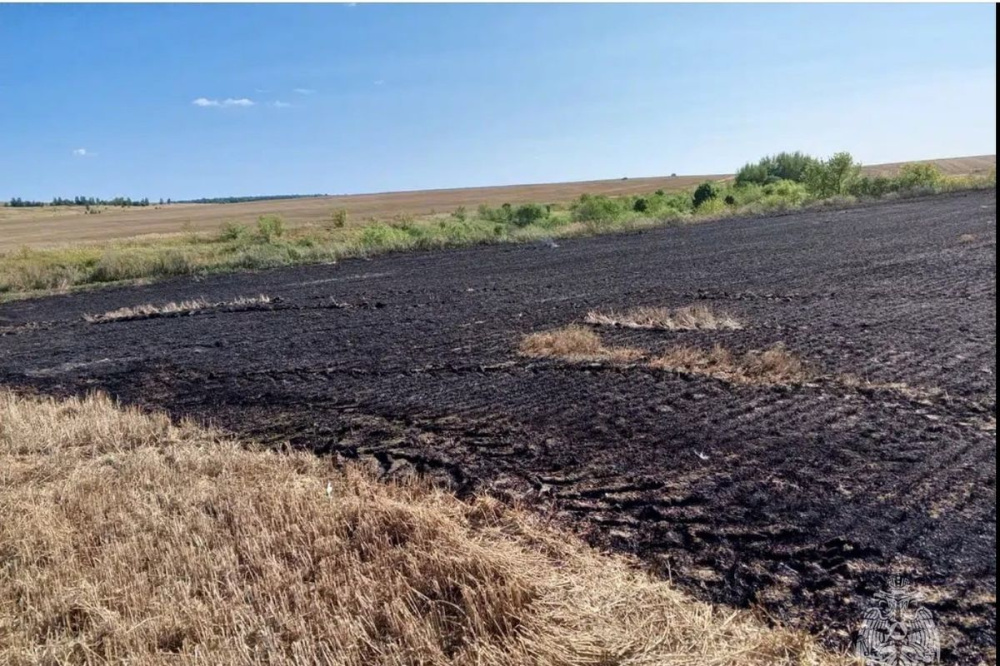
x: 229, y: 101
x: 304, y: 91
x: 379, y: 82
x: 80, y: 152
x: 278, y: 104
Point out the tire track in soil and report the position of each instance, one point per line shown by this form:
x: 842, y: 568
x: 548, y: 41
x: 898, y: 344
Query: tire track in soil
x: 809, y: 496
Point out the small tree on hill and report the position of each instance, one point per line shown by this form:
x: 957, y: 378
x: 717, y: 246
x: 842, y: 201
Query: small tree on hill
x: 705, y: 192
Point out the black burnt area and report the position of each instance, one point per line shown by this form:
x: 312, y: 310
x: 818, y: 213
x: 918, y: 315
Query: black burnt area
x: 803, y: 498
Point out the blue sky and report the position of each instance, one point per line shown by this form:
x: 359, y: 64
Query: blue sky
x: 100, y: 100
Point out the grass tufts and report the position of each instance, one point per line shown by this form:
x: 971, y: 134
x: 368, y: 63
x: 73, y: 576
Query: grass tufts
x: 575, y: 343
x: 688, y: 318
x: 775, y: 365
x: 149, y: 310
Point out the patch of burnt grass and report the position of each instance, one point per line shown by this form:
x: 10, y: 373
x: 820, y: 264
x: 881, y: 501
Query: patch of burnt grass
x: 575, y: 343
x: 688, y: 318
x: 774, y: 365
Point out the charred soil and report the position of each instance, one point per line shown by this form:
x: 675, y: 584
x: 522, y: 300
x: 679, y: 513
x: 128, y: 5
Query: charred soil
x: 798, y: 499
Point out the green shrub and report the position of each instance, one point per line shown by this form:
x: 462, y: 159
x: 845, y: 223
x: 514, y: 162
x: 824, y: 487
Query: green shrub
x: 682, y: 202
x: 873, y: 186
x: 459, y: 214
x: 597, y: 208
x: 783, y: 166
x: 384, y: 236
x: 504, y: 214
x: 730, y: 200
x: 640, y: 205
x: 529, y: 213
x: 270, y: 228
x: 705, y: 192
x: 338, y: 218
x: 833, y: 176
x: 231, y: 231
x: 916, y: 176
x: 786, y: 189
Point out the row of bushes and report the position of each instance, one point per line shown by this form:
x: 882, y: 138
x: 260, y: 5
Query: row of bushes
x: 782, y: 182
x: 842, y: 175
x: 779, y: 182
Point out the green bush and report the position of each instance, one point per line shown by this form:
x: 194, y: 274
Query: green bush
x: 529, y: 213
x: 833, y: 176
x: 597, y: 208
x: 713, y: 207
x: 459, y: 214
x: 873, y: 186
x: 270, y: 228
x: 504, y: 214
x: 231, y: 231
x: 918, y: 177
x: 384, y: 236
x: 783, y: 166
x: 704, y: 193
x: 338, y: 218
x: 640, y: 205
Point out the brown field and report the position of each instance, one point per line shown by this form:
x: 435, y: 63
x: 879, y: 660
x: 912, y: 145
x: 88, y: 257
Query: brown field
x: 47, y: 226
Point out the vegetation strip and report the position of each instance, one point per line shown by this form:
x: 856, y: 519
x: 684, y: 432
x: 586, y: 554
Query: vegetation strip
x: 688, y: 318
x: 149, y: 310
x: 784, y: 182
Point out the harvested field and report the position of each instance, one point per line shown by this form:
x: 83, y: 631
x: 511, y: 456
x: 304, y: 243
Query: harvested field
x: 799, y: 499
x: 51, y: 226
x: 129, y: 539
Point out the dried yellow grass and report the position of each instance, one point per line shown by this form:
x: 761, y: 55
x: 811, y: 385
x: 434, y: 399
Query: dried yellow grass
x: 688, y: 318
x: 127, y: 539
x: 902, y: 388
x: 575, y: 343
x: 174, y: 308
x: 775, y: 365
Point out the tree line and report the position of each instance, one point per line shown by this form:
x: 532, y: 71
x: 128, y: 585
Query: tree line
x: 123, y: 202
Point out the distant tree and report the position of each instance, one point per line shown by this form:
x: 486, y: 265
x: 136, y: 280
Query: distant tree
x: 705, y: 192
x: 833, y: 176
x: 770, y: 169
x: 529, y: 213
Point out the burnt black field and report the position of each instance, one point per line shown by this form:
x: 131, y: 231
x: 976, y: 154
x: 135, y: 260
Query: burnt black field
x: 803, y: 498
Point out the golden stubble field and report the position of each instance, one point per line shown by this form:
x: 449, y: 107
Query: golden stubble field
x: 54, y: 226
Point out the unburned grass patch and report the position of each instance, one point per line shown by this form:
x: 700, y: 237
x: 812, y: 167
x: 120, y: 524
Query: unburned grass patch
x: 687, y: 318
x: 575, y: 343
x: 176, y: 308
x: 904, y: 389
x: 127, y: 538
x: 774, y: 365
